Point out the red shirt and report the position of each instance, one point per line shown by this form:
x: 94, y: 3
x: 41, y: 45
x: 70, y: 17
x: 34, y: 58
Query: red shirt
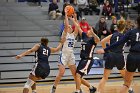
x: 84, y: 26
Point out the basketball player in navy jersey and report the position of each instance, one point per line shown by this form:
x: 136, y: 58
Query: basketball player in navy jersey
x: 41, y: 69
x: 133, y: 58
x: 88, y: 44
x: 114, y: 57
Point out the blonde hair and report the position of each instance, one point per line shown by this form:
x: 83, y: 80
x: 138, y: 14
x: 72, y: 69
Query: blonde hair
x: 121, y: 25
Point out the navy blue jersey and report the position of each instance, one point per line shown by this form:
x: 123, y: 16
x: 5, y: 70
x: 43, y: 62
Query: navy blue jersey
x: 87, y: 47
x: 43, y: 54
x: 133, y: 36
x: 116, y: 37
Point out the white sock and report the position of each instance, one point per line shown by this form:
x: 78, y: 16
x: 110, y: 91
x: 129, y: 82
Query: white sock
x: 33, y: 91
x: 77, y: 90
x: 130, y: 88
x: 91, y: 87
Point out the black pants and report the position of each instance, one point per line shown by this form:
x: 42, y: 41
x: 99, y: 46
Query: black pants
x: 95, y: 9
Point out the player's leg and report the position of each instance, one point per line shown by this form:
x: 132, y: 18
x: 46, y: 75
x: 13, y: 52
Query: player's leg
x: 79, y: 75
x: 131, y: 66
x: 123, y: 75
x: 103, y: 80
x: 30, y: 81
x: 83, y: 81
x: 78, y: 82
x: 58, y: 77
x: 33, y: 88
x: 60, y: 74
x: 73, y: 70
x: 72, y: 67
x: 109, y: 64
x: 84, y: 67
x: 127, y: 81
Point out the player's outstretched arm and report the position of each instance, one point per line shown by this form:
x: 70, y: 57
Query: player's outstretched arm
x: 77, y: 26
x: 53, y: 50
x: 33, y: 49
x: 103, y: 43
x: 97, y: 39
x: 75, y: 29
x: 66, y: 25
x: 105, y: 40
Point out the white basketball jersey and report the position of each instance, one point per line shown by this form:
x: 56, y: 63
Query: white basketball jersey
x: 69, y: 43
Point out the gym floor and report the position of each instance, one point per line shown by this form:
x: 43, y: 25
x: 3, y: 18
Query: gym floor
x: 112, y: 86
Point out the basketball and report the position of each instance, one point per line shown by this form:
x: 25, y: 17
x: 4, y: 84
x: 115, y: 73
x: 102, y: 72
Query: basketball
x: 70, y: 10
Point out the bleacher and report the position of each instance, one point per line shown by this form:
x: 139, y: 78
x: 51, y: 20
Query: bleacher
x: 21, y: 26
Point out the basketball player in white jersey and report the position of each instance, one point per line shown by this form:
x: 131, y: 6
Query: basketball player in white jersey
x: 67, y: 57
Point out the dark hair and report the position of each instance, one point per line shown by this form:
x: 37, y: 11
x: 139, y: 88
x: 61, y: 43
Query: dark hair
x: 94, y: 30
x: 44, y: 41
x: 138, y: 21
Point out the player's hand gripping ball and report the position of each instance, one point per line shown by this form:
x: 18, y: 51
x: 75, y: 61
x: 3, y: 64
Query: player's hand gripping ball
x: 70, y: 10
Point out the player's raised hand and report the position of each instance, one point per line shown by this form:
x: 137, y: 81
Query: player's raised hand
x: 66, y: 10
x: 71, y: 18
x: 100, y: 51
x: 74, y: 15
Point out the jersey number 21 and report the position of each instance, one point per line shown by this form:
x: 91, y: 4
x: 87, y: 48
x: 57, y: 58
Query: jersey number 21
x: 45, y: 51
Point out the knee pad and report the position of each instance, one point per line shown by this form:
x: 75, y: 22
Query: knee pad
x: 29, y: 83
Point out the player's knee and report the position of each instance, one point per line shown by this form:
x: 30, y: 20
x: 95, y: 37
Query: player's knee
x: 61, y: 74
x: 105, y: 78
x: 29, y: 83
x: 128, y: 82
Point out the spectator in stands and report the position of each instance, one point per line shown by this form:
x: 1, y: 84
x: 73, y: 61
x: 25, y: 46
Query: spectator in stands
x: 72, y: 1
x: 54, y: 11
x: 39, y: 2
x: 107, y: 10
x: 64, y: 5
x: 93, y: 4
x: 113, y: 27
x: 118, y: 5
x: 84, y: 25
x: 120, y: 10
x: 100, y: 2
x: 82, y: 6
x: 102, y: 28
x: 121, y: 15
x: 74, y: 4
x: 41, y: 69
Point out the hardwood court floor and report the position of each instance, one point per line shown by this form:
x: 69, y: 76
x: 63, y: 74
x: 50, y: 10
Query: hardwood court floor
x: 112, y: 86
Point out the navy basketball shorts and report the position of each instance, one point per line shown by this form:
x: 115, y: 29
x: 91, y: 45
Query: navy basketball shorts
x: 114, y: 60
x: 39, y: 70
x: 84, y: 66
x: 133, y: 62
